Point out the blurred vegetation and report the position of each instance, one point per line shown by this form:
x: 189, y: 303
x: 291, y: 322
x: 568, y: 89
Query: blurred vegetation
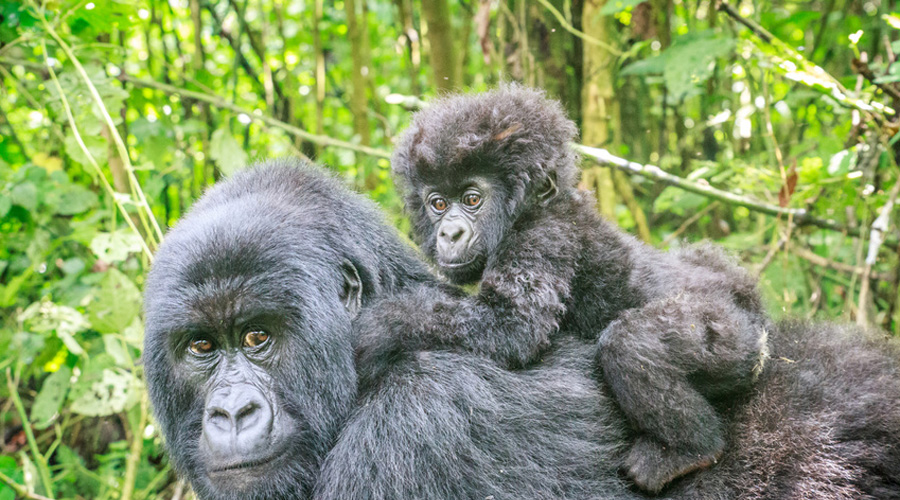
x: 774, y: 121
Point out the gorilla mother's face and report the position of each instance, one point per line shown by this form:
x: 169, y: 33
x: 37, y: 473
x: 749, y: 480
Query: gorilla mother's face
x: 248, y: 355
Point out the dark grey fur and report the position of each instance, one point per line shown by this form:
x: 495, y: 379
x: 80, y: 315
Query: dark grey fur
x: 681, y: 331
x: 822, y: 422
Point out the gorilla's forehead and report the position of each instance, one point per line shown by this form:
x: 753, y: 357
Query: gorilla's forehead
x: 223, y: 259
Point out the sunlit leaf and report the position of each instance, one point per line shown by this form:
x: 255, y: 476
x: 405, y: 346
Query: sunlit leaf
x: 225, y: 150
x: 50, y: 398
x: 115, y: 304
x: 117, y: 246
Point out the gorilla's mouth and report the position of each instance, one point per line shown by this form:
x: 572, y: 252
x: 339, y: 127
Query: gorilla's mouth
x: 457, y: 265
x: 247, y: 464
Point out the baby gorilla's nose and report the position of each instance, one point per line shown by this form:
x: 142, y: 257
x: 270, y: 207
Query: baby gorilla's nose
x: 453, y: 239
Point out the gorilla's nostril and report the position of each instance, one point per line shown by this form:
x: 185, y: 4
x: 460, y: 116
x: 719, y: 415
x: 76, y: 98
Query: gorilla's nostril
x: 219, y: 416
x: 246, y: 416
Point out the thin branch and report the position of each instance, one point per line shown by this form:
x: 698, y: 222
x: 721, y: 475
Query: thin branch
x: 40, y: 460
x: 222, y: 103
x: 134, y: 452
x: 820, y: 261
x: 580, y: 34
x: 876, y: 238
x: 862, y: 67
x: 91, y: 160
x: 795, y: 67
x: 154, y: 232
x: 20, y: 491
x: 686, y: 224
x: 758, y: 30
x: 801, y: 216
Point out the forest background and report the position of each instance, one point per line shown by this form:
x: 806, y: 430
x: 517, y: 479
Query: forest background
x: 771, y: 125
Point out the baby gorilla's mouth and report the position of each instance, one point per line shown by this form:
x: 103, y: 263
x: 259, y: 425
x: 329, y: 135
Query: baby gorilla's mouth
x: 456, y: 265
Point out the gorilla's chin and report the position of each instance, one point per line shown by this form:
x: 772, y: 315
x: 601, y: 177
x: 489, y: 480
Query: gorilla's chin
x: 463, y: 273
x: 275, y: 477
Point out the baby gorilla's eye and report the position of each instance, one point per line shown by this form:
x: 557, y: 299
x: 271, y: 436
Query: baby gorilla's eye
x: 439, y: 204
x: 200, y: 346
x: 255, y: 338
x: 472, y: 200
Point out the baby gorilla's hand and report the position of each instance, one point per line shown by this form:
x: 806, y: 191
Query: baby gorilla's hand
x: 652, y: 465
x: 391, y: 329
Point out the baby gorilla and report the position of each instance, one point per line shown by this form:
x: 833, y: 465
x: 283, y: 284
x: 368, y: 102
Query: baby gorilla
x: 490, y: 184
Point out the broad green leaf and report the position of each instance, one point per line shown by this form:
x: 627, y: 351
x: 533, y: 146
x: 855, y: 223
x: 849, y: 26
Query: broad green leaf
x: 75, y: 200
x: 842, y: 162
x: 10, y: 468
x: 225, y: 150
x: 114, y: 391
x: 116, y: 304
x: 117, y: 350
x: 116, y: 246
x: 96, y: 145
x: 45, y: 317
x: 5, y: 205
x: 50, y: 399
x: 690, y: 60
x: 616, y: 6
x: 134, y: 334
x: 25, y: 195
x: 650, y: 66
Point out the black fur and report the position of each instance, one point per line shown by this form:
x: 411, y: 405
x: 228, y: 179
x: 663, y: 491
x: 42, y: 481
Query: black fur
x: 823, y: 421
x: 274, y: 240
x: 679, y: 331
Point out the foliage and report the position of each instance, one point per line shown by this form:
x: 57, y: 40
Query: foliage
x: 115, y: 116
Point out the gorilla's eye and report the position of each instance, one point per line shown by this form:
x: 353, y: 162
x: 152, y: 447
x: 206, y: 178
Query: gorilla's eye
x: 255, y: 338
x: 200, y: 346
x: 439, y: 204
x: 472, y: 200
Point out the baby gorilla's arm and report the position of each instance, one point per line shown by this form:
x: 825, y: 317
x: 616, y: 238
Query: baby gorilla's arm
x: 510, y: 320
x: 664, y: 362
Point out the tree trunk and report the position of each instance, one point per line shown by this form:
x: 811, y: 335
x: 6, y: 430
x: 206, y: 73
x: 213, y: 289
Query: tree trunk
x: 598, y: 106
x: 440, y: 41
x: 357, y: 32
x: 320, y: 72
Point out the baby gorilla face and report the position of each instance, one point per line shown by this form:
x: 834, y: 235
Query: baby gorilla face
x: 464, y: 221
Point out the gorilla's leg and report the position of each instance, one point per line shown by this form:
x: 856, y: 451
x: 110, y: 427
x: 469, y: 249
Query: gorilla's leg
x: 685, y: 350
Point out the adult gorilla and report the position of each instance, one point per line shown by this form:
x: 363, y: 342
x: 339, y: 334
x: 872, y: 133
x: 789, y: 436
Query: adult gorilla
x: 249, y: 361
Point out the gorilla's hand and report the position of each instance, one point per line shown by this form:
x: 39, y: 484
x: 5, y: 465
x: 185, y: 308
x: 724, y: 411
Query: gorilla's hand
x: 397, y: 326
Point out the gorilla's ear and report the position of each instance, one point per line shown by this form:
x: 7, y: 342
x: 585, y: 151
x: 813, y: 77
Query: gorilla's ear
x: 550, y: 189
x: 351, y: 292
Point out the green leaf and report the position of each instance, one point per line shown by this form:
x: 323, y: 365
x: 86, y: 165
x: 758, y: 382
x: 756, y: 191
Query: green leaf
x: 842, y: 162
x: 116, y: 304
x: 112, y: 392
x: 96, y: 145
x: 117, y: 350
x: 225, y: 150
x: 64, y: 321
x: 690, y: 60
x: 651, y: 66
x: 10, y: 468
x: 116, y: 246
x: 616, y: 6
x: 75, y: 200
x: 5, y: 205
x: 50, y: 399
x: 893, y: 20
x: 25, y: 195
